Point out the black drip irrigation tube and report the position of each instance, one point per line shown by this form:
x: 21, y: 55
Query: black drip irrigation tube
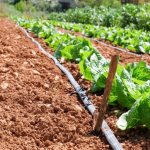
x: 112, y: 140
x: 117, y: 48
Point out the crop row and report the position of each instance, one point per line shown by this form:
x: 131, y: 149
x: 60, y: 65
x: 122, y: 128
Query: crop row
x: 131, y: 86
x: 127, y: 15
x: 131, y: 39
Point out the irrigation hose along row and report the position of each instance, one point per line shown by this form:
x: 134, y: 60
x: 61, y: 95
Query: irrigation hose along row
x: 112, y: 140
x: 117, y: 48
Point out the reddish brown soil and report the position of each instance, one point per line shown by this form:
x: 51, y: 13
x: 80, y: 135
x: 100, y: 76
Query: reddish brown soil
x: 37, y: 111
x: 39, y: 108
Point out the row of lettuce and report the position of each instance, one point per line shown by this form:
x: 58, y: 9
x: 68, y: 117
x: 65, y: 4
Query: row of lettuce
x: 131, y: 86
x: 134, y: 40
x: 137, y: 16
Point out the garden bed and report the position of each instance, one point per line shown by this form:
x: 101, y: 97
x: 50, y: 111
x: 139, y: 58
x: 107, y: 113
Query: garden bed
x: 39, y: 109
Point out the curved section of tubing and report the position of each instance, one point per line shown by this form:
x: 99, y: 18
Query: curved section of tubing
x: 112, y: 140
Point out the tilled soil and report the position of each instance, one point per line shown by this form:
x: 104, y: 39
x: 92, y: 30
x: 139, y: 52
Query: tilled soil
x: 39, y: 109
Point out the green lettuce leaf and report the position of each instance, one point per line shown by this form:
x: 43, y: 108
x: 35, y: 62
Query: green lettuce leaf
x: 140, y: 71
x: 138, y: 114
